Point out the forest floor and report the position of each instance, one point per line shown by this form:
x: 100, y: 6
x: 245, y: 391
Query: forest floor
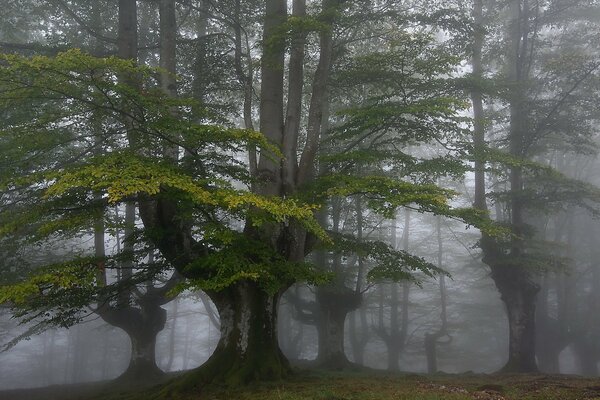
x: 318, y: 385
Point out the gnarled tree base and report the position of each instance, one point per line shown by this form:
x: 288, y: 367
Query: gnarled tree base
x: 248, y: 350
x: 225, y: 368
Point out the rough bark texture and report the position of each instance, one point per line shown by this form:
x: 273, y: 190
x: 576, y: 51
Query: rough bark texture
x: 248, y: 349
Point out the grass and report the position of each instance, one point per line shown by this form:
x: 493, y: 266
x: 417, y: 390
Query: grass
x: 320, y: 385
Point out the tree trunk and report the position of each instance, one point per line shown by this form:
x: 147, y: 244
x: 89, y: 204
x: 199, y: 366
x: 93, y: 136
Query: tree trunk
x: 518, y: 293
x: 169, y: 364
x: 248, y: 349
x: 586, y: 358
x: 431, y: 339
x: 359, y: 339
x: 142, y: 326
x: 431, y: 352
x: 513, y: 280
x: 334, y: 304
x: 548, y: 343
x: 359, y: 335
x: 142, y: 363
x: 127, y: 41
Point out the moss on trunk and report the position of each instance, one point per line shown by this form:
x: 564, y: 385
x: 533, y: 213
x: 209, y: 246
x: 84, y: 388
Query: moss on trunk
x: 248, y: 350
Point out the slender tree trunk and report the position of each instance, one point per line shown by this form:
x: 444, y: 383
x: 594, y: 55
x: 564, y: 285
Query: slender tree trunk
x: 359, y: 337
x: 395, y: 338
x: 431, y: 339
x: 172, y: 337
x: 293, y: 115
x: 127, y: 41
x: 477, y: 99
x: 271, y: 95
x: 168, y: 47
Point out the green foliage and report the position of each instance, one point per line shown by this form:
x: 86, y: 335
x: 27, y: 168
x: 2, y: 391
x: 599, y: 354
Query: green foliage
x: 240, y: 258
x: 89, y: 141
x: 389, y: 264
x: 55, y: 294
x: 385, y: 195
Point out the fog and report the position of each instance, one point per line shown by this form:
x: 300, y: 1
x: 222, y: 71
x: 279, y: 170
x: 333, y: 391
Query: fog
x: 234, y: 191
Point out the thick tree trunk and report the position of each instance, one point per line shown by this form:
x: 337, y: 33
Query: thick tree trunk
x: 518, y: 293
x: 142, y: 364
x: 248, y: 349
x: 334, y: 305
x: 142, y: 325
x: 587, y: 358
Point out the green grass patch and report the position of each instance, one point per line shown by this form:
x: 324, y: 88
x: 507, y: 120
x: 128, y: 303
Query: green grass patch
x: 372, y: 385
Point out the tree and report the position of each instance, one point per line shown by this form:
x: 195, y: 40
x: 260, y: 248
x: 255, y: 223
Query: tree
x: 536, y: 113
x: 171, y: 157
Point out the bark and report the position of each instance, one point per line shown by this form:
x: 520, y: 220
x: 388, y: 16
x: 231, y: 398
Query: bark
x: 359, y: 338
x: 395, y: 338
x: 294, y: 102
x: 431, y: 339
x: 168, y: 47
x: 334, y: 305
x: 319, y: 98
x: 248, y: 349
x: 271, y: 95
x: 245, y: 76
x: 200, y: 63
x: 518, y: 292
x: 142, y: 325
x: 127, y: 41
x: 477, y: 99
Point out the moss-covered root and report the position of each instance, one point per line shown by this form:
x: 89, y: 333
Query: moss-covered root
x: 226, y: 368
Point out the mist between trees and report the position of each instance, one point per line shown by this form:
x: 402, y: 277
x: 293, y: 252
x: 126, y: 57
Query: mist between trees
x: 238, y: 187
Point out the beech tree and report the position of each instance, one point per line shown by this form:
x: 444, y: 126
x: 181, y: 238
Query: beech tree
x: 176, y: 161
x: 537, y: 110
